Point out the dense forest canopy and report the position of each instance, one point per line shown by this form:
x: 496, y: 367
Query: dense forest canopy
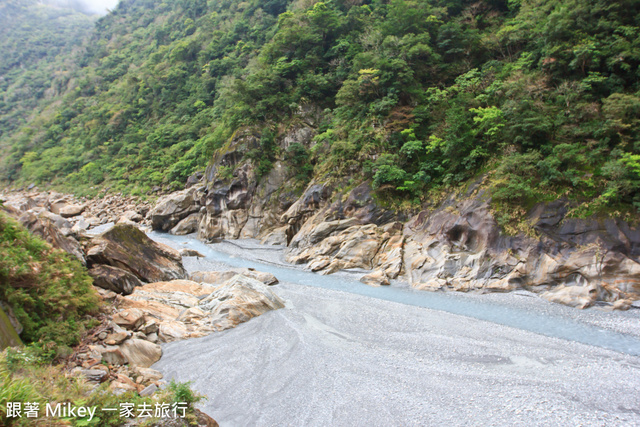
x: 539, y: 97
x: 35, y: 43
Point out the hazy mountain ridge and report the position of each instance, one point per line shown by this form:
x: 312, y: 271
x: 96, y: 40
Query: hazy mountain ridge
x: 36, y: 45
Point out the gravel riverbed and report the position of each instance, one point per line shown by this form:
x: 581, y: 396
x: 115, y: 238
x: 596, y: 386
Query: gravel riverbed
x: 334, y: 358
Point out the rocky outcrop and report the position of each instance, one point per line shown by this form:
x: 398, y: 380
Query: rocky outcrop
x: 114, y: 279
x: 236, y: 203
x: 49, y: 227
x: 172, y: 208
x: 238, y: 300
x: 217, y: 277
x: 327, y: 249
x: 129, y: 249
x: 186, y: 226
x: 576, y: 262
x: 184, y: 309
x: 227, y: 207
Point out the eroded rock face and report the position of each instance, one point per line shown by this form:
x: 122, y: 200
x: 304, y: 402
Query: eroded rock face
x: 241, y: 206
x: 575, y: 262
x: 172, y: 208
x: 128, y: 248
x: 230, y: 206
x: 361, y: 246
x: 458, y: 246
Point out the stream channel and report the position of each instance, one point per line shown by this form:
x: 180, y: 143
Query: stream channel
x: 346, y: 354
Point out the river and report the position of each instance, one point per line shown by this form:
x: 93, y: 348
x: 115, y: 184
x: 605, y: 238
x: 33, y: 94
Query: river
x: 343, y: 353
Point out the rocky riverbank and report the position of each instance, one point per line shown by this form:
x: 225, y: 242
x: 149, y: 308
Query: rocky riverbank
x: 150, y: 298
x: 454, y: 245
x: 156, y: 300
x: 338, y: 358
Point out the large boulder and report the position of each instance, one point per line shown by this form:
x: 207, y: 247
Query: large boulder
x: 70, y: 211
x: 130, y: 319
x: 237, y: 301
x: 126, y: 247
x: 218, y: 277
x: 276, y: 237
x: 186, y: 226
x: 172, y: 208
x: 132, y: 216
x: 45, y: 225
x: 114, y: 279
x: 141, y: 353
x: 574, y: 296
x: 376, y: 278
x: 184, y: 309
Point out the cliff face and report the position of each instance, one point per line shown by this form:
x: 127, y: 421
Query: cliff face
x: 456, y: 245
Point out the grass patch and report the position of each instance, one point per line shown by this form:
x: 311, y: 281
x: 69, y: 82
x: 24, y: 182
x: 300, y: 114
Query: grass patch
x: 27, y: 376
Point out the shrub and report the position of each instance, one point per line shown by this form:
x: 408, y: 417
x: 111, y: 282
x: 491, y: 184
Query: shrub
x: 49, y: 291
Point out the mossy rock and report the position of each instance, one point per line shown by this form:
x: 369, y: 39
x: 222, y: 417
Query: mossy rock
x: 128, y: 248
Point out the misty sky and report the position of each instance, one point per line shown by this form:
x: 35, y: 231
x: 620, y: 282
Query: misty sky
x: 86, y: 6
x: 99, y: 6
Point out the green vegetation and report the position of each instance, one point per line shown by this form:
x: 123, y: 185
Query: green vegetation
x: 542, y: 96
x: 52, y: 297
x: 35, y: 43
x: 25, y: 376
x: 49, y: 292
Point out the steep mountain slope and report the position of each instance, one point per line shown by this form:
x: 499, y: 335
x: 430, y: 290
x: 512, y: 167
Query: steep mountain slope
x: 140, y: 107
x: 35, y: 42
x: 539, y: 96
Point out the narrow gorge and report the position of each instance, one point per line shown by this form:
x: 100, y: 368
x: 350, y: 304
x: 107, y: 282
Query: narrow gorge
x: 319, y: 213
x: 340, y: 319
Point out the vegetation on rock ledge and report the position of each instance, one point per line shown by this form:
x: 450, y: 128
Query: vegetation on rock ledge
x: 49, y: 291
